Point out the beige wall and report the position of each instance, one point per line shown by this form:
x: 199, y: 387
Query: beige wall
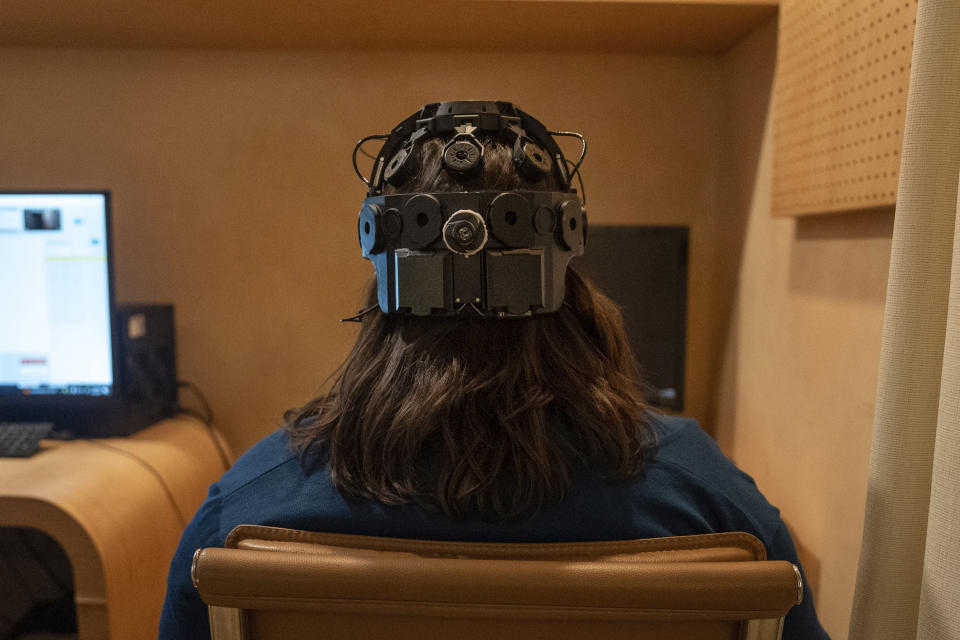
x: 801, y: 343
x: 234, y: 197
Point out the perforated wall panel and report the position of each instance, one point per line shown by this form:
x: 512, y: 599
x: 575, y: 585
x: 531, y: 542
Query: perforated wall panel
x: 840, y: 98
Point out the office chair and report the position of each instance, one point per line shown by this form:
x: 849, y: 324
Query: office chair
x: 271, y: 583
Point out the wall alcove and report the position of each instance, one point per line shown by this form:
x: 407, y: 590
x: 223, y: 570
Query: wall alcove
x: 224, y: 131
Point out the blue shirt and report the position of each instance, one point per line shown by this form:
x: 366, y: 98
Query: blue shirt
x: 687, y: 487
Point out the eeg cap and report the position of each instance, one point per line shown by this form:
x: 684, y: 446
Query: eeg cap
x: 489, y: 254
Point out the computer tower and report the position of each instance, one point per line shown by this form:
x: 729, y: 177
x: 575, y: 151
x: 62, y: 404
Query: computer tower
x: 148, y: 367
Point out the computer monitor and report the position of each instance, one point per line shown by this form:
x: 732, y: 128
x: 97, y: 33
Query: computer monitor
x: 644, y: 270
x: 58, y: 345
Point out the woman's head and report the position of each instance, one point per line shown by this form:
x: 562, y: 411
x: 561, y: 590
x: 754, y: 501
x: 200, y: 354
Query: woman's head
x: 480, y: 415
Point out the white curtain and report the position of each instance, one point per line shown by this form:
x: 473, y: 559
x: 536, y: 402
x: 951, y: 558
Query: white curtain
x: 908, y: 584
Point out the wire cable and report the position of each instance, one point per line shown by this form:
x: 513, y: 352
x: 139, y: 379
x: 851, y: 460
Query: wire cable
x: 149, y: 467
x: 357, y: 148
x: 583, y: 191
x: 206, y: 417
x: 583, y: 146
x: 359, y: 316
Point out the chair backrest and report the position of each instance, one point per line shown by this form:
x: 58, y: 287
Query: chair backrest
x: 278, y: 583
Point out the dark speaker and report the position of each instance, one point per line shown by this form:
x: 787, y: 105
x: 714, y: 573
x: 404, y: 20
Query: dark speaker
x: 148, y: 366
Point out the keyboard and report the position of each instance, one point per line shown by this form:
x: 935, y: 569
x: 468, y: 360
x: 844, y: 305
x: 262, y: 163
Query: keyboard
x: 21, y: 439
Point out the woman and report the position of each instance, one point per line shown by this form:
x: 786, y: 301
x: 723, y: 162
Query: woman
x: 529, y: 429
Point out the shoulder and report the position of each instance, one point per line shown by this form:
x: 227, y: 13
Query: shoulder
x: 689, y: 450
x: 695, y: 468
x: 184, y: 615
x: 261, y: 460
x: 252, y: 470
x: 269, y: 485
x: 682, y: 442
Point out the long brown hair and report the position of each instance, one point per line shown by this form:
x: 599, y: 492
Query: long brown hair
x: 488, y: 417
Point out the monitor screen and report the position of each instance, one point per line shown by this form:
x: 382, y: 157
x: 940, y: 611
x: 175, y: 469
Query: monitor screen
x: 55, y: 295
x: 644, y: 270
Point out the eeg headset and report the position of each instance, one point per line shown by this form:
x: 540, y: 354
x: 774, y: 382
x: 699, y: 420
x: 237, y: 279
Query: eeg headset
x: 492, y: 254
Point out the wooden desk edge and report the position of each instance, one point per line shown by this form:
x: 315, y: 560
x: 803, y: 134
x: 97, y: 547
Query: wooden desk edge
x: 119, y: 548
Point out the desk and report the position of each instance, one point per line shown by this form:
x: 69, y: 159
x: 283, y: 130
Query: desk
x: 116, y: 506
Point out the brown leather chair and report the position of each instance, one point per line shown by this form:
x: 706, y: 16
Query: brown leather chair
x: 278, y: 583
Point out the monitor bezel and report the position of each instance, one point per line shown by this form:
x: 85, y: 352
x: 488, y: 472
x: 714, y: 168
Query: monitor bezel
x: 53, y: 407
x: 679, y: 238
